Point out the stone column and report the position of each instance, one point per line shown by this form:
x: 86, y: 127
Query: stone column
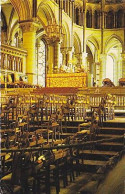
x: 73, y: 20
x: 69, y: 57
x: 56, y: 56
x: 84, y: 54
x: 81, y: 59
x: 102, y: 68
x: 102, y: 25
x: 5, y: 67
x: 65, y: 6
x: 50, y: 62
x: 115, y: 72
x: 29, y: 43
x: 84, y: 26
x: 69, y: 54
x: 68, y: 7
x: 84, y: 61
x: 94, y: 71
x: 123, y: 64
x: 64, y: 57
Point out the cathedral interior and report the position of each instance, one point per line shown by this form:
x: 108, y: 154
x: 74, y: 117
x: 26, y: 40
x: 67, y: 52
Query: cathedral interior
x: 62, y: 96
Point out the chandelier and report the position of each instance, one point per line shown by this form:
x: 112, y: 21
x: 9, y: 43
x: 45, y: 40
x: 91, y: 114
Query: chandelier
x: 53, y: 31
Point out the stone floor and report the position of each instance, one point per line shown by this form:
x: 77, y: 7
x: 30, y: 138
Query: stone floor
x: 115, y: 181
x: 74, y: 187
x: 113, y: 184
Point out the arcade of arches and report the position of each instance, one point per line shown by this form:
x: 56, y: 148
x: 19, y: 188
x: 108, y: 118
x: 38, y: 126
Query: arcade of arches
x: 41, y: 38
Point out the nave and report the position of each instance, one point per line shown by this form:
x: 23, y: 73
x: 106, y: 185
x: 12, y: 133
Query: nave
x: 62, y: 96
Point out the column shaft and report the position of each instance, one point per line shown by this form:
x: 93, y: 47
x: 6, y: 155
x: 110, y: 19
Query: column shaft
x: 50, y: 58
x: 56, y: 56
x: 29, y: 43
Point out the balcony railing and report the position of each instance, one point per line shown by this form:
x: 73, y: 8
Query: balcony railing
x: 13, y: 59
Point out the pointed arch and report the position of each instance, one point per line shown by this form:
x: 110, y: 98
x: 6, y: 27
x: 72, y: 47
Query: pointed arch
x: 109, y: 8
x: 23, y: 9
x: 93, y: 44
x: 77, y: 43
x: 14, y: 28
x: 4, y: 22
x: 66, y: 35
x: 112, y: 42
x: 45, y: 12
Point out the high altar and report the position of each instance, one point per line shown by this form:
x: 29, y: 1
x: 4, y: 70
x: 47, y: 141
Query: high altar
x: 66, y: 80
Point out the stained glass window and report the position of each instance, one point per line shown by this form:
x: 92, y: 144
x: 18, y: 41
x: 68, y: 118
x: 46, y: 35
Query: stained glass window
x: 41, y: 63
x: 110, y: 68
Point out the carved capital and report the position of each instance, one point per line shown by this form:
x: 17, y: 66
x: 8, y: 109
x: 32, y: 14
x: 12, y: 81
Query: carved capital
x: 29, y: 26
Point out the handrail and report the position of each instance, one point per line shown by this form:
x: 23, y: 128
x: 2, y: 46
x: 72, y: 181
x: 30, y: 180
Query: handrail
x: 78, y: 145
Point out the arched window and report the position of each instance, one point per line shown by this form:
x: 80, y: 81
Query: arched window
x: 110, y: 68
x: 96, y: 19
x: 120, y: 19
x: 77, y: 16
x: 61, y: 59
x: 64, y: 2
x: 3, y: 28
x: 41, y: 63
x: 88, y: 19
x: 15, y: 40
x: 110, y: 20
